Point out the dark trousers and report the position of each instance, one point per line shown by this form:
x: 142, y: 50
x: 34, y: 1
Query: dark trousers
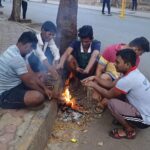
x: 134, y: 4
x: 0, y: 2
x: 106, y: 2
x: 35, y: 62
x: 24, y: 9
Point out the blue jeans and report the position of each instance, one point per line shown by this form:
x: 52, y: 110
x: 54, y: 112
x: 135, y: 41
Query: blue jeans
x: 134, y: 4
x: 106, y: 2
x: 35, y: 63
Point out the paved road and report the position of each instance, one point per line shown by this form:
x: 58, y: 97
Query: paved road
x: 107, y: 29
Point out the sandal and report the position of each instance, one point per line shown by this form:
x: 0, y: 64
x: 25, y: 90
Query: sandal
x: 116, y: 133
x: 99, y: 109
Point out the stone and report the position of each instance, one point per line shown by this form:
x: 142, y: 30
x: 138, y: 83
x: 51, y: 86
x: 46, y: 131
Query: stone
x: 10, y: 128
x: 3, y: 146
x: 6, y: 138
x: 8, y: 119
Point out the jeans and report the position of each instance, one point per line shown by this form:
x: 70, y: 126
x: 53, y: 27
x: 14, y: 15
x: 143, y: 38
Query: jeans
x: 35, y: 63
x: 106, y: 2
x: 134, y: 4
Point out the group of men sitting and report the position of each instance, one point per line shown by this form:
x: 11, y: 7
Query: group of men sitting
x: 112, y: 74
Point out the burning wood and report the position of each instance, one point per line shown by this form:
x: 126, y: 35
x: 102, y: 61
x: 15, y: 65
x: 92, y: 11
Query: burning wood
x: 69, y: 100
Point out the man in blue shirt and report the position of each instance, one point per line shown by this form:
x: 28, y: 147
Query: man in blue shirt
x: 81, y: 55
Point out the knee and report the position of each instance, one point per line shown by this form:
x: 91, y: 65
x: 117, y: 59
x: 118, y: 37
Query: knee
x: 111, y: 105
x: 33, y: 98
x: 105, y: 76
x: 38, y: 97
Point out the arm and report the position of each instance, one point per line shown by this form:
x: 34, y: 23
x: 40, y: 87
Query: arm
x: 91, y: 61
x: 105, y: 93
x: 104, y: 83
x: 99, y: 70
x: 54, y: 50
x: 102, y: 62
x: 33, y: 81
x: 64, y: 57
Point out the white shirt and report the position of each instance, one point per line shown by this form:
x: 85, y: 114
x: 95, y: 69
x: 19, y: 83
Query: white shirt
x: 41, y: 48
x: 137, y: 89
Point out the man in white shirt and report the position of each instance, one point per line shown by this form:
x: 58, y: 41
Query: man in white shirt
x: 46, y: 54
x: 135, y: 111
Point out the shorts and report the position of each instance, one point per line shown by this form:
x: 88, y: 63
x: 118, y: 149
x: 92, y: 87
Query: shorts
x: 111, y: 71
x: 14, y: 98
x: 126, y: 111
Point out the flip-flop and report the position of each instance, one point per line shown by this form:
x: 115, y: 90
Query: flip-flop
x: 128, y: 134
x: 99, y: 109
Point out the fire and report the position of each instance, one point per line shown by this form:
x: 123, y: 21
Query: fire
x: 68, y: 98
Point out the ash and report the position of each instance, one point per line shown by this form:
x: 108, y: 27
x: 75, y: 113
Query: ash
x: 70, y: 115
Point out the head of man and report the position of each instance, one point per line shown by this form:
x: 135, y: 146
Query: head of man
x: 26, y: 42
x: 140, y: 45
x: 125, y: 60
x: 48, y: 31
x: 86, y: 35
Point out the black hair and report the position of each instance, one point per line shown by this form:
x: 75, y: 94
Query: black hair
x: 128, y: 55
x: 49, y: 26
x: 86, y: 32
x: 140, y: 42
x: 28, y: 37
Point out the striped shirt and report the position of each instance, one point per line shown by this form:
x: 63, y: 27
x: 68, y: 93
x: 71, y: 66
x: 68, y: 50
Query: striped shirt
x: 12, y: 65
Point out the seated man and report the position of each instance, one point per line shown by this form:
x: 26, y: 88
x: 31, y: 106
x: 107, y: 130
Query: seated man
x: 134, y: 112
x: 46, y: 53
x: 19, y: 87
x: 81, y: 55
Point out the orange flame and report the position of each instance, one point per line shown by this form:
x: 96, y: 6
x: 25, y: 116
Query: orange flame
x: 68, y: 98
x: 71, y: 102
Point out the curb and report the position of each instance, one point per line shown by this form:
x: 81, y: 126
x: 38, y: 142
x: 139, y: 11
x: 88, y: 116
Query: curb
x: 36, y: 136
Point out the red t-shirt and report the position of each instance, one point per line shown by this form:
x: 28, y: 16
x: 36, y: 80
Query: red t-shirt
x: 109, y: 53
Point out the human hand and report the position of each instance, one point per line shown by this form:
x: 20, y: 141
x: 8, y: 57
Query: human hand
x: 92, y: 78
x: 53, y: 72
x: 59, y: 66
x: 88, y: 84
x: 85, y: 71
x: 80, y: 70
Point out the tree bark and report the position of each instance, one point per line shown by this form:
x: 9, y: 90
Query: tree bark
x: 66, y: 23
x: 16, y: 9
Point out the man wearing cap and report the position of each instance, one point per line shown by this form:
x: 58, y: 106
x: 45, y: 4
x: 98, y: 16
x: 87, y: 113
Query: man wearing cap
x: 46, y: 53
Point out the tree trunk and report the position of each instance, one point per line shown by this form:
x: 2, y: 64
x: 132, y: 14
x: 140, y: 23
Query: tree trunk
x: 16, y: 9
x: 66, y: 23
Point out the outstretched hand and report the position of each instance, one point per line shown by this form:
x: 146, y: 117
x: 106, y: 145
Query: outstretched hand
x: 53, y: 72
x: 88, y: 84
x: 92, y: 78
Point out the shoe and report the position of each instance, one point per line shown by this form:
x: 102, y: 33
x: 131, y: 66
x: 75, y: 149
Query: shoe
x: 103, y: 13
x: 1, y: 6
x: 109, y: 14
